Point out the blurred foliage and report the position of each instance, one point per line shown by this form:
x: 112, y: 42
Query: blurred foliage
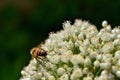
x: 24, y: 24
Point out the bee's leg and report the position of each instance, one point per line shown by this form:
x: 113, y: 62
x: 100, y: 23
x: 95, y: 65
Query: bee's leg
x: 42, y: 61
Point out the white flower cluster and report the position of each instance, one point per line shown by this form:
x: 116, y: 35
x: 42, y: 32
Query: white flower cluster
x: 79, y: 52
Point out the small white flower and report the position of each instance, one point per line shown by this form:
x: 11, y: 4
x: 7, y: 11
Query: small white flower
x: 43, y: 78
x: 107, y: 47
x: 114, y: 69
x: 70, y: 44
x: 114, y: 60
x: 90, y: 74
x: 103, y: 77
x: 116, y: 42
x: 85, y: 25
x: 69, y: 70
x: 86, y: 43
x: 77, y: 73
x: 64, y: 77
x: 111, y: 76
x: 25, y: 79
x: 96, y: 78
x: 24, y: 73
x: 51, y: 78
x: 104, y: 72
x: 105, y: 36
x: 113, y: 36
x: 34, y: 62
x: 117, y: 54
x: 60, y: 71
x: 74, y: 36
x: 104, y: 23
x: 81, y: 36
x: 51, y: 66
x: 116, y: 30
x: 118, y: 74
x: 77, y: 59
x: 54, y: 59
x: 105, y: 65
x: 118, y: 36
x: 93, y: 54
x: 37, y: 76
x: 85, y: 70
x: 78, y: 22
x: 87, y: 78
x: 108, y: 28
x: 90, y: 32
x: 83, y: 50
x: 107, y: 57
x: 96, y: 63
x: 87, y: 61
x: 78, y: 43
x: 33, y: 68
x: 99, y: 57
x: 32, y: 72
x: 66, y: 24
x: 65, y: 57
x: 95, y: 41
x: 118, y: 62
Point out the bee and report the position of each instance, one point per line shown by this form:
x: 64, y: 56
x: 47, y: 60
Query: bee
x: 38, y: 53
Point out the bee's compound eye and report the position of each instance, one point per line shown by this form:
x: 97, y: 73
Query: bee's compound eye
x: 43, y: 53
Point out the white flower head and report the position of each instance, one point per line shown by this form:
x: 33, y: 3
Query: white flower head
x: 78, y: 52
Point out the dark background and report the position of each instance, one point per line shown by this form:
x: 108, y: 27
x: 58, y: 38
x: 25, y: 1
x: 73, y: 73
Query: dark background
x: 25, y: 23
